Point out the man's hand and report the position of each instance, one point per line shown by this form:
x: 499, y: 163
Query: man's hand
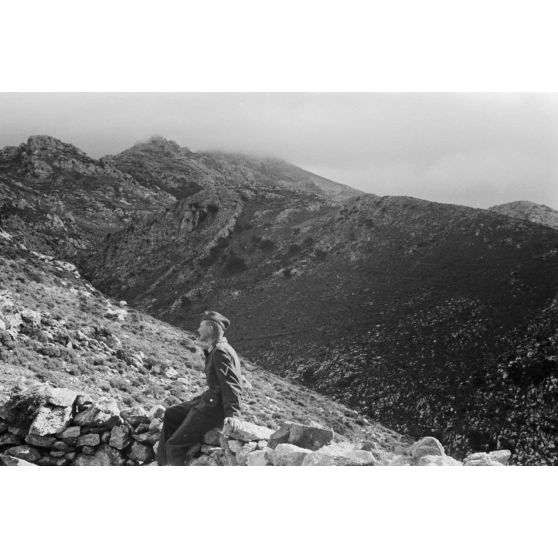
x: 232, y: 424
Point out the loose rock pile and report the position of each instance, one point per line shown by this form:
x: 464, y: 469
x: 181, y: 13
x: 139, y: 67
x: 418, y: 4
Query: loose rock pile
x: 55, y: 426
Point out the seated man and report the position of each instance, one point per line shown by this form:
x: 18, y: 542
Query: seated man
x: 185, y: 424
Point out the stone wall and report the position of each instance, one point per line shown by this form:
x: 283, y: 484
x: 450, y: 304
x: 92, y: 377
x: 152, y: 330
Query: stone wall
x: 55, y: 426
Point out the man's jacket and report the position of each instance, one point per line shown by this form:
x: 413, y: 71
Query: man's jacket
x: 224, y: 381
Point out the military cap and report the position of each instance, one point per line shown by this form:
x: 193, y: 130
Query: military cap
x: 217, y: 318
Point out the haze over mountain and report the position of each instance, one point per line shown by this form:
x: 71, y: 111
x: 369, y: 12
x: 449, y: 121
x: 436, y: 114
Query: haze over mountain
x: 431, y: 318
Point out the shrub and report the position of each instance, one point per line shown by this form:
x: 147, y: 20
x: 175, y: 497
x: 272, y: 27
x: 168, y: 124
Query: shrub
x: 320, y: 254
x: 294, y: 249
x: 234, y: 264
x: 267, y: 245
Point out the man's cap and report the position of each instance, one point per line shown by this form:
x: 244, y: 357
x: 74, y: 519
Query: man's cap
x: 217, y: 318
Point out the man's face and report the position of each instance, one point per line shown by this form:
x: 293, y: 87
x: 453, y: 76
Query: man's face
x: 205, y: 331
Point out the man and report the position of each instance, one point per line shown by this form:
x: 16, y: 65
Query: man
x: 185, y: 425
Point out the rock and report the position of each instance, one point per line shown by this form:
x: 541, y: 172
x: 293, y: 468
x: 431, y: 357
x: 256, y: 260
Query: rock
x: 212, y: 438
x: 288, y: 455
x: 120, y: 437
x: 47, y: 461
x: 401, y: 460
x: 141, y: 452
x: 61, y: 446
x: 88, y: 440
x: 57, y: 397
x: 207, y: 449
x: 9, y: 439
x: 243, y: 453
x: 248, y: 432
x: 156, y: 425
x: 57, y: 454
x: 40, y: 441
x: 426, y: 446
x: 83, y: 401
x: 88, y: 450
x: 100, y: 458
x: 481, y: 459
x: 70, y: 434
x: 136, y: 415
x: 50, y: 421
x: 258, y: 458
x: 105, y: 437
x: 157, y: 411
x: 309, y: 437
x: 438, y: 461
x: 71, y: 455
x: 11, y: 461
x: 502, y: 456
x: 171, y: 373
x: 3, y: 428
x: 103, y: 412
x: 26, y: 453
x: 203, y: 460
x: 31, y: 317
x: 339, y: 457
x: 18, y: 431
x: 235, y: 445
x: 262, y: 444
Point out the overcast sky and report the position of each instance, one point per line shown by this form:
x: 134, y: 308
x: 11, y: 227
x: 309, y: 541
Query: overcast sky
x: 471, y: 149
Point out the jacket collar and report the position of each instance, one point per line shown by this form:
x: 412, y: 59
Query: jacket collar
x: 222, y: 341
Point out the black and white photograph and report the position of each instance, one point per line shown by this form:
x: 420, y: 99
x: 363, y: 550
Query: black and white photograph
x: 312, y: 297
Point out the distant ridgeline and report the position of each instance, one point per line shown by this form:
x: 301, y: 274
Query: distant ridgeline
x: 432, y: 319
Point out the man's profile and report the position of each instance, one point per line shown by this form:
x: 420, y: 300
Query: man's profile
x: 185, y: 424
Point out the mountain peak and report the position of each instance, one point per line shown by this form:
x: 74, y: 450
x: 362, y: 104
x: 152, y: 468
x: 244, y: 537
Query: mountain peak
x: 161, y: 144
x: 44, y: 143
x: 529, y: 211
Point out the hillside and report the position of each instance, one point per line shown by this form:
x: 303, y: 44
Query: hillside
x: 399, y: 307
x: 56, y: 328
x: 529, y: 211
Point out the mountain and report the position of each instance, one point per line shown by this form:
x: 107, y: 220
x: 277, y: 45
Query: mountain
x: 433, y: 319
x: 529, y: 211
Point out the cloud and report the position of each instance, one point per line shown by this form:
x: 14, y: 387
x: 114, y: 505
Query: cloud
x: 473, y: 149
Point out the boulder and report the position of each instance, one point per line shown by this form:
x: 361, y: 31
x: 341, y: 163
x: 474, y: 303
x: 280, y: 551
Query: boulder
x: 248, y: 432
x: 156, y: 425
x: 12, y: 461
x: 347, y: 457
x: 40, y: 441
x: 235, y: 445
x: 141, y: 452
x: 50, y: 421
x: 57, y: 397
x: 120, y: 437
x: 288, y: 455
x: 212, y: 438
x: 70, y: 434
x: 104, y: 412
x: 243, y: 453
x: 481, y: 459
x: 26, y: 453
x: 9, y: 439
x: 31, y: 317
x: 135, y: 416
x: 100, y: 458
x: 401, y: 461
x: 258, y: 458
x: 88, y: 440
x: 426, y: 446
x: 301, y: 435
x: 61, y: 446
x: 438, y: 461
x: 203, y: 460
x: 502, y: 456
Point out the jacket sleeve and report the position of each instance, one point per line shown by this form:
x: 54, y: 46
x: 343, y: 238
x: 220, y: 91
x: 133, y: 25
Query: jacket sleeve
x: 230, y: 383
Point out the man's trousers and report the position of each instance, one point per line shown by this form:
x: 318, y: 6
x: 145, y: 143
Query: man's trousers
x: 183, y: 426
